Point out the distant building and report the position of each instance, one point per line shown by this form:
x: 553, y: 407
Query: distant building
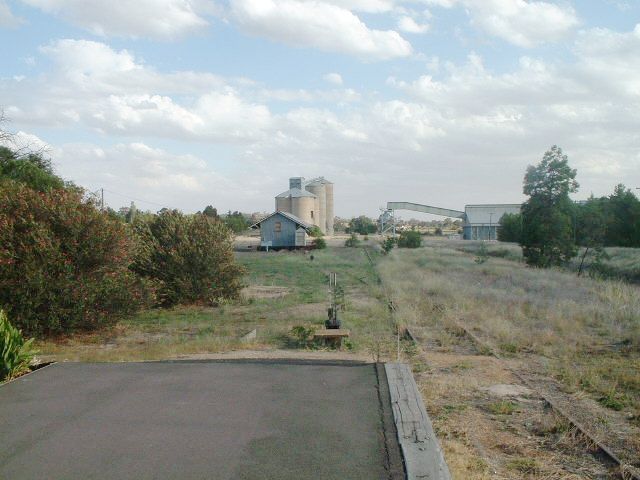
x: 481, y: 222
x: 283, y: 230
x: 311, y: 201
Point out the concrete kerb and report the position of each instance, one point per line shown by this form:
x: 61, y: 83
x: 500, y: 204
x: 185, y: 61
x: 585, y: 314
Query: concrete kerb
x: 423, y: 458
x: 32, y: 372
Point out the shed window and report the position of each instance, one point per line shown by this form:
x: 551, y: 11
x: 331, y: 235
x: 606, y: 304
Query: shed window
x: 278, y: 227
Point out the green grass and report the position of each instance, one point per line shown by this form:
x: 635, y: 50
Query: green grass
x: 166, y: 333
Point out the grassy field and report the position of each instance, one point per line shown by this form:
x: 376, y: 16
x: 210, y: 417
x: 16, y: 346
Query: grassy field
x: 584, y: 331
x: 621, y: 264
x: 284, y: 290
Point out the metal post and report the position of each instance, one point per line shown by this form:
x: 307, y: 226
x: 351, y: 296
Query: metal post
x: 393, y: 219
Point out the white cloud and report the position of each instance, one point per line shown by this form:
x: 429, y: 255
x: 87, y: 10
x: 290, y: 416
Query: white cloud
x: 96, y: 86
x: 165, y: 19
x: 370, y: 6
x: 613, y: 57
x: 334, y: 78
x: 520, y: 22
x: 319, y: 25
x: 409, y: 25
x: 465, y: 125
x: 7, y: 18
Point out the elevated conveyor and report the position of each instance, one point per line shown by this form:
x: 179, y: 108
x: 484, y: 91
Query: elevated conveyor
x: 418, y: 207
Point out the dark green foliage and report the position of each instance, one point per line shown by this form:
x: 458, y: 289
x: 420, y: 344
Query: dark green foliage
x: 210, y: 211
x: 388, y: 244
x: 547, y: 216
x: 612, y: 221
x: 315, y: 232
x: 236, y: 222
x: 320, y: 243
x: 190, y: 257
x: 362, y: 225
x: 32, y: 170
x: 352, y: 241
x: 410, y: 239
x: 622, y: 211
x: 16, y: 353
x: 63, y: 263
x: 510, y: 228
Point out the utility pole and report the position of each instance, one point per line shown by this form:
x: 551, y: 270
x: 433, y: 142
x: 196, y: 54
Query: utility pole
x: 102, y: 199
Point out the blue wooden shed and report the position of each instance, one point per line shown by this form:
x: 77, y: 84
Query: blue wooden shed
x: 283, y: 230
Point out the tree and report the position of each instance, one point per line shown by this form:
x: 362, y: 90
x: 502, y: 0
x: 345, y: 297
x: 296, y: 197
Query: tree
x: 362, y: 225
x: 548, y: 215
x: 236, y: 222
x: 210, y: 211
x: 31, y: 169
x: 510, y: 227
x: 623, y: 218
x: 591, y: 229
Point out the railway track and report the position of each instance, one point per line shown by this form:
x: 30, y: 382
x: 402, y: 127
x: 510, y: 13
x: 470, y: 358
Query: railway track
x: 626, y: 471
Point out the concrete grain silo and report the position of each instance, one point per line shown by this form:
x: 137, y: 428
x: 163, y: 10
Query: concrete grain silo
x: 318, y: 189
x: 310, y: 201
x: 329, y: 215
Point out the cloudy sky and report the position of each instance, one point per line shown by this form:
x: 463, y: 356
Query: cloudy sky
x: 185, y: 103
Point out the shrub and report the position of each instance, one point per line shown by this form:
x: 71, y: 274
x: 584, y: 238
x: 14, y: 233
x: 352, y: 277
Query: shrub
x: 315, y: 232
x: 302, y: 336
x: 410, y: 239
x: 320, y: 243
x: 352, y: 241
x: 388, y: 244
x: 190, y: 257
x: 16, y: 354
x: 64, y: 264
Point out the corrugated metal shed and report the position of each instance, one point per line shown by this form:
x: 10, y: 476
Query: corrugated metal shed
x: 488, y: 214
x: 482, y: 221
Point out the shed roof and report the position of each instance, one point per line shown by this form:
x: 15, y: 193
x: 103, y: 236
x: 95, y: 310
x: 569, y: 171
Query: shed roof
x: 288, y: 216
x: 489, y: 214
x: 296, y: 192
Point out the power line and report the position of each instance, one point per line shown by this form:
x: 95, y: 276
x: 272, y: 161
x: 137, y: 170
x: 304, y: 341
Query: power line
x: 129, y: 197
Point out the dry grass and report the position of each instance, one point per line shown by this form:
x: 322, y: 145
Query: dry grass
x: 585, y: 331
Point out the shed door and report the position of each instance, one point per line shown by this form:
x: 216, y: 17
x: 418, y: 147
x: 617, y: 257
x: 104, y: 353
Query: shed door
x: 301, y: 238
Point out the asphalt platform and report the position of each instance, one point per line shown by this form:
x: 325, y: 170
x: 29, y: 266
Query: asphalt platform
x: 199, y: 420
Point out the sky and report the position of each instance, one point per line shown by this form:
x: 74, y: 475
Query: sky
x: 188, y: 103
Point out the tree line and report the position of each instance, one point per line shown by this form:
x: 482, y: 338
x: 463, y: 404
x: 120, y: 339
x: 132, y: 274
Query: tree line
x: 66, y: 265
x: 551, y: 226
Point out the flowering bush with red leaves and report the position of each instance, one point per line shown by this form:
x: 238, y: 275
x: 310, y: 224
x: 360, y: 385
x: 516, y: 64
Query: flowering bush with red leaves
x: 64, y: 265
